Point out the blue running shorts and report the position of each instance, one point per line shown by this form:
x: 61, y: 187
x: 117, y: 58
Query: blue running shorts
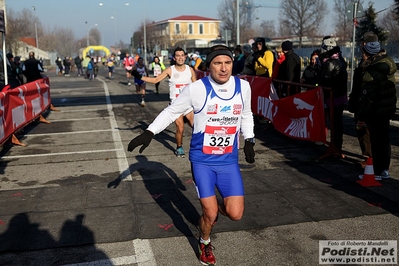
x: 226, y: 178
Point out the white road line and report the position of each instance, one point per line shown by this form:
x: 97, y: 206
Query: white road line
x: 81, y: 110
x: 70, y: 132
x: 143, y: 257
x: 80, y: 119
x: 143, y: 251
x: 58, y: 153
x: 120, y: 152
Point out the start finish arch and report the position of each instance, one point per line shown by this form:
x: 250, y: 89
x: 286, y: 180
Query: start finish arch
x: 95, y: 48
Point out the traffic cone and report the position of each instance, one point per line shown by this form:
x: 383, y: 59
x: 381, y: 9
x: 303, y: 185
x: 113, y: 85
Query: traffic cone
x: 368, y: 177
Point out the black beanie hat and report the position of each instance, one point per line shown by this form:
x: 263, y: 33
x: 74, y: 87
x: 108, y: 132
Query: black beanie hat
x: 286, y: 46
x: 218, y: 50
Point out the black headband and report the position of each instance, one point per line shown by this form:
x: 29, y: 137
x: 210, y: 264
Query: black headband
x: 211, y: 55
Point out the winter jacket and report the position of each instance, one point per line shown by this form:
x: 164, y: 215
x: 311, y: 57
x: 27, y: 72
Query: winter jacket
x: 334, y: 75
x: 378, y: 97
x: 290, y: 69
x: 311, y: 75
x: 263, y: 63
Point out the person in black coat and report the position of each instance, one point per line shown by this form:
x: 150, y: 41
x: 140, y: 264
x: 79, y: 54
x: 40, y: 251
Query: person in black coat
x: 335, y: 76
x: 311, y: 74
x: 32, y: 68
x: 290, y: 69
x: 12, y: 69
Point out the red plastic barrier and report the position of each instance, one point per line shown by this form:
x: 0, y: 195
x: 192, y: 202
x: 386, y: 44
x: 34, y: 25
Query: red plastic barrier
x: 20, y: 106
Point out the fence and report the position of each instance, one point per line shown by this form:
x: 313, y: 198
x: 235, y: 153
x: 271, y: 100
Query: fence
x: 300, y: 114
x: 22, y: 105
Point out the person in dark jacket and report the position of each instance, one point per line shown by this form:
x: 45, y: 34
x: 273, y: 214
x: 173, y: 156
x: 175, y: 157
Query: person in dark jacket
x: 290, y: 69
x: 67, y: 66
x: 12, y: 69
x: 311, y: 74
x: 354, y: 97
x: 60, y: 68
x: 78, y: 63
x: 32, y: 68
x: 377, y: 104
x: 335, y: 76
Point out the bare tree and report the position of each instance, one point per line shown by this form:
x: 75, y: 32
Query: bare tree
x: 302, y: 17
x: 19, y: 24
x: 267, y: 29
x: 65, y: 43
x: 343, y: 25
x: 227, y: 11
x: 389, y: 24
x: 94, y: 36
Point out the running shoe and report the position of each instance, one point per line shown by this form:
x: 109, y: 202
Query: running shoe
x: 142, y: 103
x: 385, y: 174
x: 180, y: 152
x: 206, y: 256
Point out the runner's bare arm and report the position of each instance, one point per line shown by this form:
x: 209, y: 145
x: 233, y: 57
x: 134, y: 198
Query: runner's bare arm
x: 162, y: 76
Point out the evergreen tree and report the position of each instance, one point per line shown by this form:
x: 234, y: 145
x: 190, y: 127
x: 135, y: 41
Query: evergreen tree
x: 368, y: 23
x: 396, y: 10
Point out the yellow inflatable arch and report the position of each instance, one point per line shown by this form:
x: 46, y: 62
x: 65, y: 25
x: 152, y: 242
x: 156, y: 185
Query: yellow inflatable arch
x: 95, y: 48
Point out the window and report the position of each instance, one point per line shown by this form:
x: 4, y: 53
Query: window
x: 201, y: 28
x: 177, y: 28
x: 190, y: 28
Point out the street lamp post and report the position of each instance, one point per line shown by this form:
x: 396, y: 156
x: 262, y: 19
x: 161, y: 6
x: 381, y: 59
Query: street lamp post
x: 37, y: 41
x: 114, y: 18
x: 88, y: 34
x: 145, y: 38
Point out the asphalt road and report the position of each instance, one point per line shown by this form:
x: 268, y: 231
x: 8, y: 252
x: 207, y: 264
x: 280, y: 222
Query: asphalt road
x: 75, y: 196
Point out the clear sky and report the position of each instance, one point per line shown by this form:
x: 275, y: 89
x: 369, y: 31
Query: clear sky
x: 127, y: 19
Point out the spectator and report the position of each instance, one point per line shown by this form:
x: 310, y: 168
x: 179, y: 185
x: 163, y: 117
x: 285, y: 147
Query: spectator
x: 72, y: 62
x: 248, y: 60
x: 263, y: 59
x: 32, y: 68
x: 239, y: 60
x: 78, y: 63
x: 197, y: 62
x: 335, y: 76
x: 60, y: 68
x: 85, y: 64
x: 20, y: 76
x: 290, y: 69
x: 311, y: 74
x: 354, y: 98
x: 90, y: 69
x: 377, y: 104
x: 13, y: 70
x: 67, y: 66
x: 280, y: 57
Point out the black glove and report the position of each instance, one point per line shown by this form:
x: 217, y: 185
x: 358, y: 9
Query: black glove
x: 136, y: 74
x: 249, y: 152
x: 144, y: 139
x: 256, y: 56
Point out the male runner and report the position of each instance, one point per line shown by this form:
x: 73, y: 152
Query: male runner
x: 179, y: 76
x: 222, y: 109
x: 128, y: 63
x: 141, y: 69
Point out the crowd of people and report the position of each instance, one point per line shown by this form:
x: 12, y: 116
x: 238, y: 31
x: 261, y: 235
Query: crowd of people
x: 215, y: 164
x: 214, y: 146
